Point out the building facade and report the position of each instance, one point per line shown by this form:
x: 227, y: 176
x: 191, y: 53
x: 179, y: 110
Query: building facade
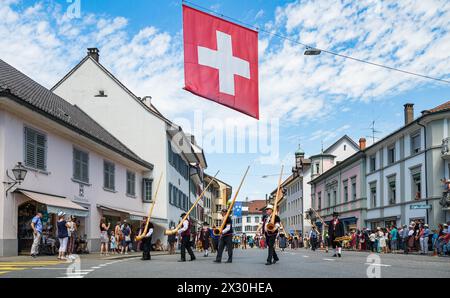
x: 73, y: 165
x: 92, y: 87
x: 404, y: 169
x: 250, y: 219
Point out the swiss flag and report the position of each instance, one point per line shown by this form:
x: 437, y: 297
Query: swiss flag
x: 221, y: 61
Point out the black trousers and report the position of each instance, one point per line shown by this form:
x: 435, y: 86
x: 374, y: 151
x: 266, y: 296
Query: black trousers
x: 271, y: 245
x: 335, y: 244
x: 186, y: 245
x: 146, y: 247
x: 228, y: 242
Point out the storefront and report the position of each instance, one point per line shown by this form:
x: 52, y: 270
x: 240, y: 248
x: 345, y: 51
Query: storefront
x: 49, y: 206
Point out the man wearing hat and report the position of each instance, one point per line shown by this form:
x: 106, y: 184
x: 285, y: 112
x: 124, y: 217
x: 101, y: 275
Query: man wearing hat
x: 226, y: 239
x: 205, y: 235
x: 185, y: 234
x: 271, y: 236
x: 335, y: 230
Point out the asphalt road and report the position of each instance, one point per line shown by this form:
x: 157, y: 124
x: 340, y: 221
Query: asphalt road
x: 248, y: 263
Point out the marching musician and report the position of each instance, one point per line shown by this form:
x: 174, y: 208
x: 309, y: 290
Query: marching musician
x: 335, y: 230
x: 185, y: 234
x: 271, y: 236
x: 226, y: 239
x: 147, y: 242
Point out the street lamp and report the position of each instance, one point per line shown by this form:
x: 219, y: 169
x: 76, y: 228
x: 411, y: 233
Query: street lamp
x: 312, y: 52
x: 19, y: 173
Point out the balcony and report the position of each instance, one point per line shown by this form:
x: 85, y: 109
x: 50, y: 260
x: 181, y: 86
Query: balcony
x: 445, y: 150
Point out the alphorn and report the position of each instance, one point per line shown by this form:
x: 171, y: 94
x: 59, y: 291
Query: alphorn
x: 271, y: 225
x: 174, y: 231
x: 219, y: 230
x: 144, y: 232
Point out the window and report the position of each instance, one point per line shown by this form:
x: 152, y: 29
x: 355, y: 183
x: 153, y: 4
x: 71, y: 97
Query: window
x: 249, y: 219
x: 80, y: 165
x: 345, y: 147
x: 373, y: 163
x: 257, y: 219
x: 334, y: 198
x: 108, y: 175
x: 319, y: 200
x: 131, y: 183
x: 415, y: 143
x: 35, y: 149
x: 147, y: 189
x: 317, y: 168
x: 329, y: 199
x: 354, y: 189
x: 345, y: 191
x: 171, y: 193
x: 373, y: 194
x: 391, y: 155
x: 416, y: 183
x: 391, y: 185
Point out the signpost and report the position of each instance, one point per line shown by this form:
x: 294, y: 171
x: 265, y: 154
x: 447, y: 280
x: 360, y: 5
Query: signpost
x: 419, y: 206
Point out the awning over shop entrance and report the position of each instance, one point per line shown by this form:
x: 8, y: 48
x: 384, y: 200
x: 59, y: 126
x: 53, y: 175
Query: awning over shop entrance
x: 134, y: 215
x: 56, y: 204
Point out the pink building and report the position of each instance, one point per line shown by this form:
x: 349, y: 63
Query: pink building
x: 341, y: 188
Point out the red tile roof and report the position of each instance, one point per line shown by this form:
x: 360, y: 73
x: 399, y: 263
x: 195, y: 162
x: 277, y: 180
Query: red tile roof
x: 256, y: 205
x: 442, y: 107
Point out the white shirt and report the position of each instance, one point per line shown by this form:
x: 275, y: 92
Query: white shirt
x: 185, y: 227
x: 150, y: 232
x: 227, y: 228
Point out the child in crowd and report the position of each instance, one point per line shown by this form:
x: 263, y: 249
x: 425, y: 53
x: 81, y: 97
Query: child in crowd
x: 113, y: 244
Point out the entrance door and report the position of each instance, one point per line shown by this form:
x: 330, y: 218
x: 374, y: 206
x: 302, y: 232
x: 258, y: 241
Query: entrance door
x: 26, y: 212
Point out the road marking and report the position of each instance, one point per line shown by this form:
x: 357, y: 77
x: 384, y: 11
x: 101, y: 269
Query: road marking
x: 329, y: 259
x: 49, y: 268
x: 96, y: 267
x: 306, y: 256
x: 381, y: 265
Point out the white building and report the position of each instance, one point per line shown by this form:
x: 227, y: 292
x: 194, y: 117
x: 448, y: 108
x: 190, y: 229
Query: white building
x: 73, y: 163
x: 403, y: 171
x: 137, y: 123
x: 296, y: 188
x: 250, y: 219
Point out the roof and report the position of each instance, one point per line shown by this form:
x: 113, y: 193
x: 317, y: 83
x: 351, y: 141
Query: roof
x: 443, y: 107
x: 152, y: 109
x: 22, y: 89
x: 345, y: 137
x: 256, y: 206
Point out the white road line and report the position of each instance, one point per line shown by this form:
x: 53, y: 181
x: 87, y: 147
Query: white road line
x: 306, y: 256
x: 329, y: 259
x: 96, y: 267
x: 48, y: 268
x: 381, y: 265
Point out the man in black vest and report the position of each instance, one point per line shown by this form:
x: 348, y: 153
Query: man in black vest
x: 335, y: 230
x: 271, y: 236
x: 147, y: 242
x: 226, y: 239
x: 185, y: 234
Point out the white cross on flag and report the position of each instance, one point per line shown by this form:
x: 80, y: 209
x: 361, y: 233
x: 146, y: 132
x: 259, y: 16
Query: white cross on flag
x: 221, y: 61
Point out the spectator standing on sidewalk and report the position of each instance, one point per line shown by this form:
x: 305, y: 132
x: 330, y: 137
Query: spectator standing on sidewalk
x: 63, y: 235
x: 36, y: 225
x: 126, y: 231
x: 394, y: 239
x: 373, y: 241
x: 423, y: 236
x: 104, y: 240
x: 72, y: 229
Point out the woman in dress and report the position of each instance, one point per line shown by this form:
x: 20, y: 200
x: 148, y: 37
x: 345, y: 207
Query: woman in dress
x: 104, y: 236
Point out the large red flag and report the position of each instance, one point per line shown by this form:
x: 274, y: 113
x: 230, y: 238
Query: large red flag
x: 221, y: 61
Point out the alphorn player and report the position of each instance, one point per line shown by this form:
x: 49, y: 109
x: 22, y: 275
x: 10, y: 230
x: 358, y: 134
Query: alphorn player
x: 271, y: 236
x: 147, y: 242
x: 185, y: 234
x: 226, y: 239
x: 335, y: 230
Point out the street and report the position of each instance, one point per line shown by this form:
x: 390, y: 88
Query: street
x: 246, y: 264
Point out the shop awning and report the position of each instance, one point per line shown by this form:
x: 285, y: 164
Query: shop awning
x: 56, y: 204
x: 134, y: 215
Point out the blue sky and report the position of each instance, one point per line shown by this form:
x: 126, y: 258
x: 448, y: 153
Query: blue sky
x: 316, y: 99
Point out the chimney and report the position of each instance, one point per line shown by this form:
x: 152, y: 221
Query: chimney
x: 93, y: 52
x: 147, y: 100
x: 362, y: 144
x: 409, y: 113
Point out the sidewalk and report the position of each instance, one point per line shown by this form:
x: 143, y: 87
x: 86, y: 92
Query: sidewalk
x: 92, y: 256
